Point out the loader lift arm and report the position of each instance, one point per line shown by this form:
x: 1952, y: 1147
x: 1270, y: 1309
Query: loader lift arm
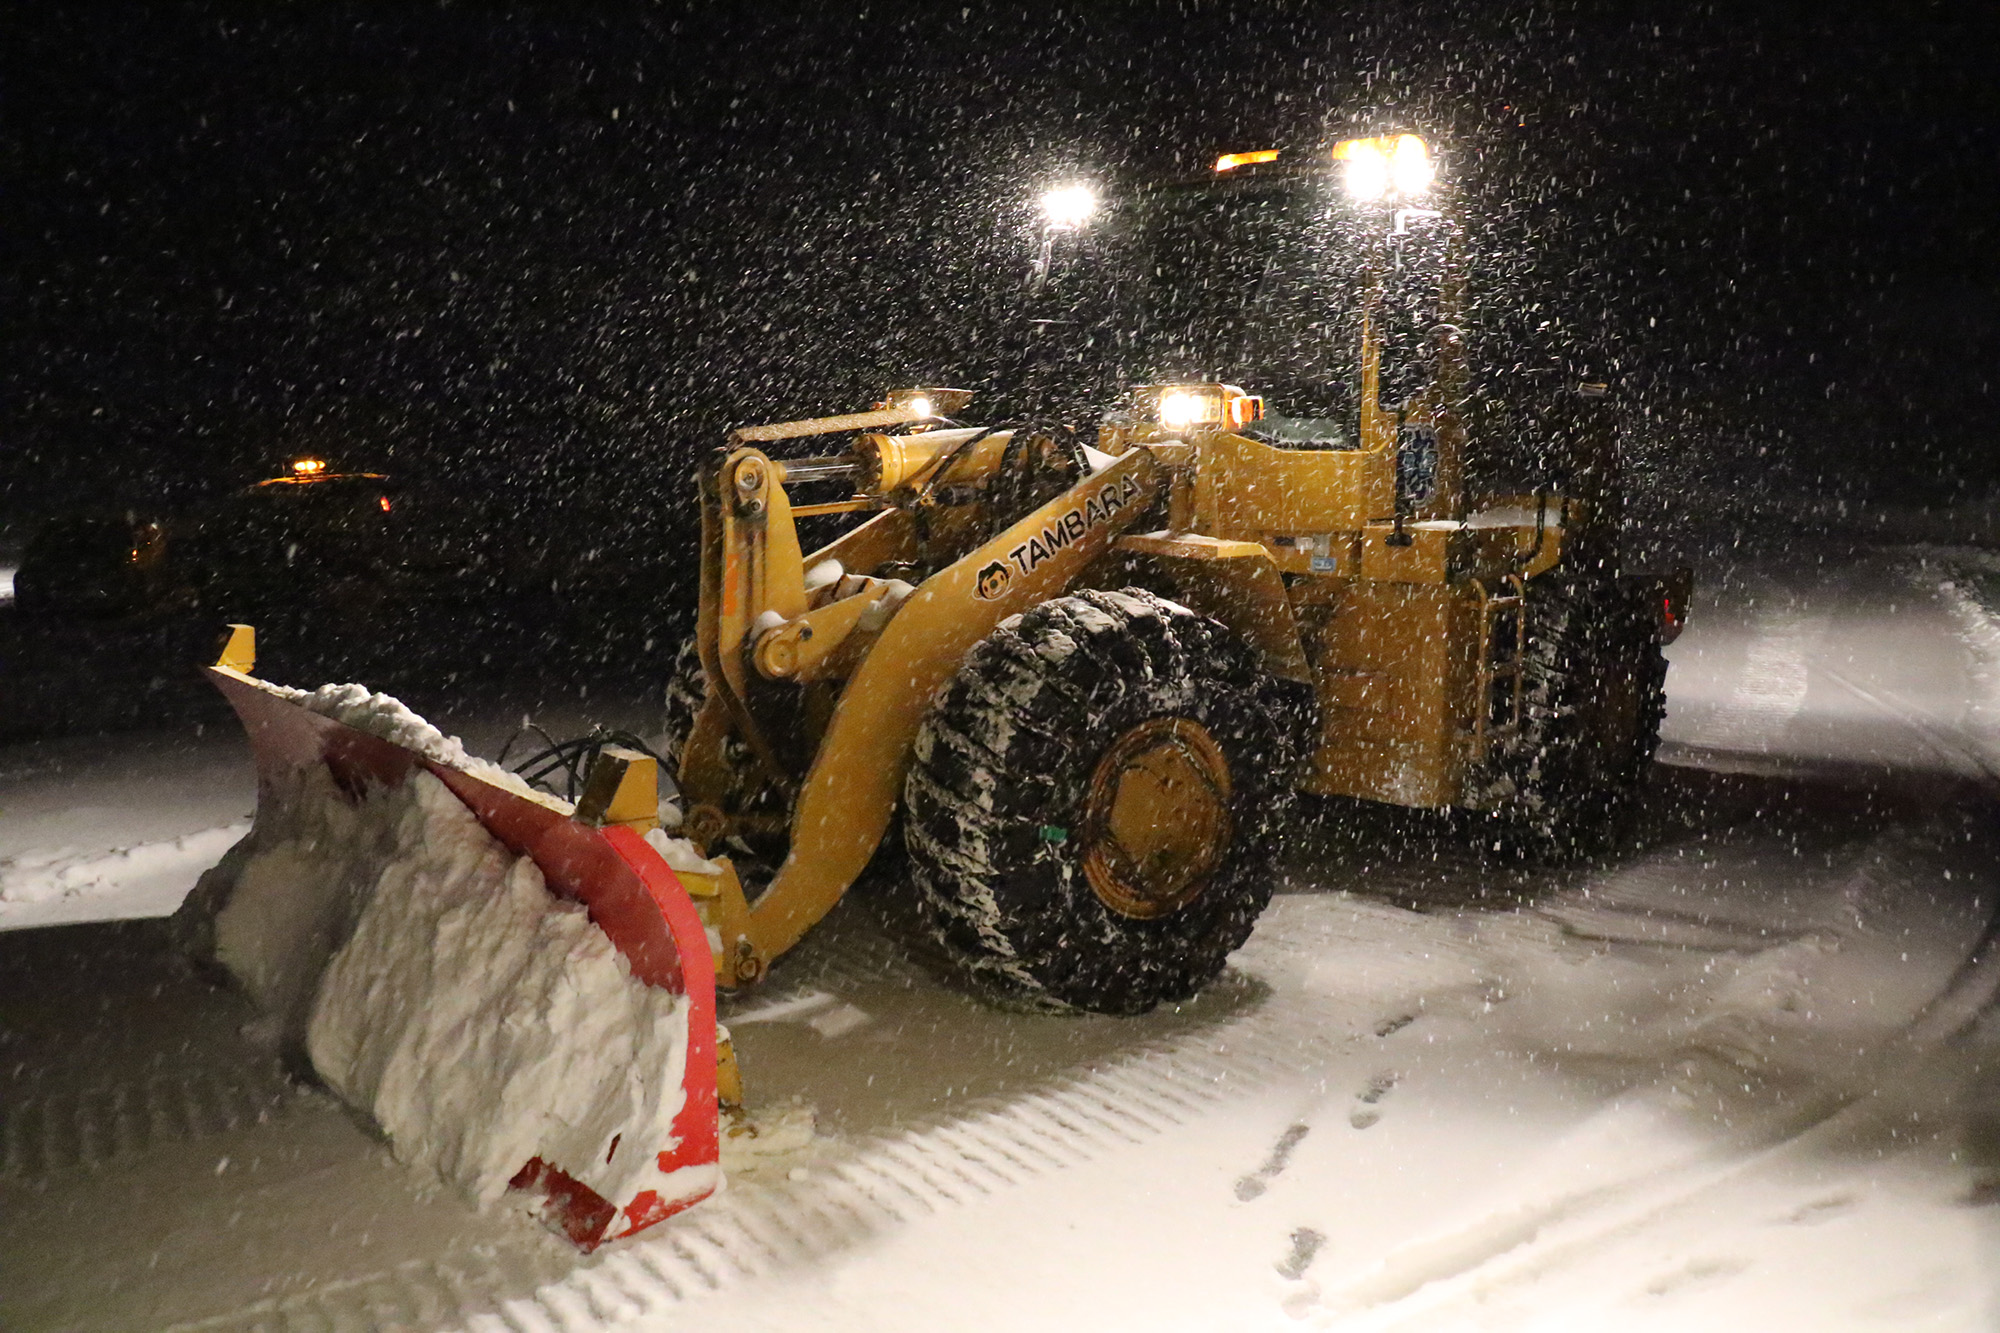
x: 755, y: 627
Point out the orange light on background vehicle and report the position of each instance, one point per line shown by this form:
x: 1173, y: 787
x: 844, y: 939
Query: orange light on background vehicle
x: 1231, y: 161
x: 308, y: 467
x: 383, y: 500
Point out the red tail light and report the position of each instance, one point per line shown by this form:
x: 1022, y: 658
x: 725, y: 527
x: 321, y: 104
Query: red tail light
x: 383, y: 500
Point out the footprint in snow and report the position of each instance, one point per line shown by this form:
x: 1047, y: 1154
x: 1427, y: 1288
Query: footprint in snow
x: 1695, y: 1273
x: 1257, y: 1181
x: 1305, y: 1247
x: 1390, y: 1026
x: 1821, y: 1210
x: 1366, y: 1114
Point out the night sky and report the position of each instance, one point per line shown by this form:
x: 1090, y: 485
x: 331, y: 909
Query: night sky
x: 553, y: 252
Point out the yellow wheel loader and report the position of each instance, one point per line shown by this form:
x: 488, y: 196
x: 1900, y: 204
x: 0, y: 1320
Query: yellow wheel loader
x: 1061, y: 691
x: 1077, y: 684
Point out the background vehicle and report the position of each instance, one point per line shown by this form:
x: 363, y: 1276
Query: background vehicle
x: 306, y: 534
x: 95, y: 565
x: 309, y: 533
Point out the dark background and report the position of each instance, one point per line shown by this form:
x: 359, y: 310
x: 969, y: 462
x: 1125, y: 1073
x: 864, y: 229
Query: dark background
x: 548, y: 254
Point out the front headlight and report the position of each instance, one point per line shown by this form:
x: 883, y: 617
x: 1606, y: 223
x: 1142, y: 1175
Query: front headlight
x: 1188, y: 406
x: 1181, y: 408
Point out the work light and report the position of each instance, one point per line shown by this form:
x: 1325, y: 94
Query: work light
x: 1182, y: 406
x: 1068, y: 206
x: 1396, y: 165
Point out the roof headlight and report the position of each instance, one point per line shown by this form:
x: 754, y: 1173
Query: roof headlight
x: 1410, y: 168
x: 1068, y: 206
x: 1398, y: 164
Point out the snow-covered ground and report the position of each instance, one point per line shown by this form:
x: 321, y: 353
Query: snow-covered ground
x: 1730, y: 1078
x: 96, y: 828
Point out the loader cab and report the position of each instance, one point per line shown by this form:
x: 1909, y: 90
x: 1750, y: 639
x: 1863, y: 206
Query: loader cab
x: 1250, y: 282
x: 1323, y: 281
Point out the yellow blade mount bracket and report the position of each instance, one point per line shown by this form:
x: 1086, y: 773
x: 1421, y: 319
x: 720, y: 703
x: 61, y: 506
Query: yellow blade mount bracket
x: 236, y: 650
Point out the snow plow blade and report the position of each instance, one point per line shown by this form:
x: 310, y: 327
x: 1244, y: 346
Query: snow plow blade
x: 630, y: 894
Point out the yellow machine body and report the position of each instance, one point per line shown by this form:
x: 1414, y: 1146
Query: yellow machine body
x: 1403, y: 607
x: 1293, y: 550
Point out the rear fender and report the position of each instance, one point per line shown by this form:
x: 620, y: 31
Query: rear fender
x: 1664, y: 598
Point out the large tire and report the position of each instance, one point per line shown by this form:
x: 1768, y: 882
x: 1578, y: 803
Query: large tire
x: 1595, y: 697
x: 757, y: 858
x: 687, y: 687
x: 1018, y: 789
x: 757, y: 863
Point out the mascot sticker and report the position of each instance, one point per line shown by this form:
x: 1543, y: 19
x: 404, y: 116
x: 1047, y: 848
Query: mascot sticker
x: 993, y: 580
x: 1066, y: 529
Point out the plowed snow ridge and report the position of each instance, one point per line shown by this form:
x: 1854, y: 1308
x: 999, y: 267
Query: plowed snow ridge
x: 148, y: 879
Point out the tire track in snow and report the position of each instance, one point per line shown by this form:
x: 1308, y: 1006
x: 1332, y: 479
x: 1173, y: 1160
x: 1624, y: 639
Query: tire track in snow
x: 1452, y: 1277
x: 758, y: 1226
x: 1769, y: 689
x: 1459, y: 1280
x: 63, y: 1128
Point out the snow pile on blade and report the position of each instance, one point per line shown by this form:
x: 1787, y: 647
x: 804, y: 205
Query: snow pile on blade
x: 483, y: 1022
x: 435, y: 983
x: 394, y: 721
x: 286, y: 898
x: 679, y: 854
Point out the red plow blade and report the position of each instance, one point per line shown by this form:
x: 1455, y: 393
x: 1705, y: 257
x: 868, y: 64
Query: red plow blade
x: 628, y: 890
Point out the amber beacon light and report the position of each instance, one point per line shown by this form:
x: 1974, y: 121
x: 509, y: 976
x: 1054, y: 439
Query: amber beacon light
x: 1231, y: 161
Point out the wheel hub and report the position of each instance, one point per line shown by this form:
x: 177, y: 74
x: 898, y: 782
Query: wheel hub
x: 1157, y: 824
